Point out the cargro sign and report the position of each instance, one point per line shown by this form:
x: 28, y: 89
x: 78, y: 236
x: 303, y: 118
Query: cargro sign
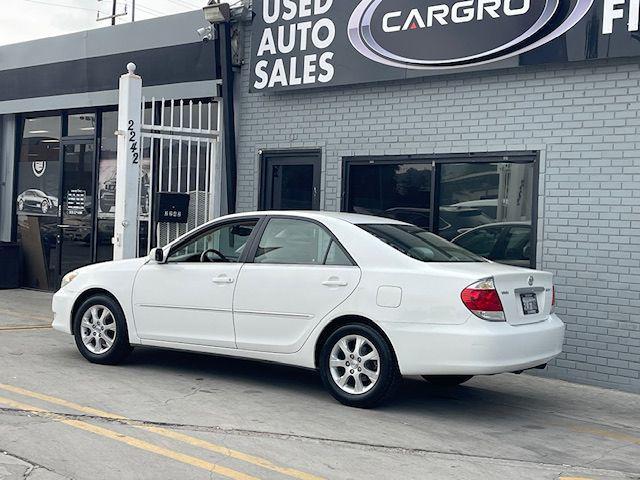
x: 313, y: 43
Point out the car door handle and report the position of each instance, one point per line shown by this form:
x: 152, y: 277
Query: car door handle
x: 222, y: 280
x: 335, y: 283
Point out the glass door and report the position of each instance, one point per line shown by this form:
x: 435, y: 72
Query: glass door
x: 291, y: 181
x: 77, y: 205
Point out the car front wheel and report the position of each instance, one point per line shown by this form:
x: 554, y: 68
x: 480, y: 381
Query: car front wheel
x: 100, y: 331
x: 358, y: 366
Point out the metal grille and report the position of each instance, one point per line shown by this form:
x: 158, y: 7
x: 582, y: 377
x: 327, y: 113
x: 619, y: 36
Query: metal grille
x: 183, y: 143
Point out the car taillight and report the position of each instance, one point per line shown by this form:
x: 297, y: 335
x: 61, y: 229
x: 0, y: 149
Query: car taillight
x: 483, y: 300
x: 553, y: 299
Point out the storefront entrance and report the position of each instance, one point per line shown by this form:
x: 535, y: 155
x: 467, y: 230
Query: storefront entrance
x: 55, y: 197
x: 291, y: 181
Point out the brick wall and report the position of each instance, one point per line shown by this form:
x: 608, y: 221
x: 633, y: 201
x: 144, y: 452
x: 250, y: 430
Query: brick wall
x: 584, y: 119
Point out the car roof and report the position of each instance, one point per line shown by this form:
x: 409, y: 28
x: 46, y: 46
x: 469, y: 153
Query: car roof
x: 354, y: 218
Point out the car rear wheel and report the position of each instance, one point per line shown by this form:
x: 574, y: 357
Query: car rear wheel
x: 44, y: 206
x: 100, y: 331
x: 447, y: 380
x: 358, y: 366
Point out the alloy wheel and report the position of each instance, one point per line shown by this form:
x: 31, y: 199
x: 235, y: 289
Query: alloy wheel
x: 355, y: 364
x: 98, y: 329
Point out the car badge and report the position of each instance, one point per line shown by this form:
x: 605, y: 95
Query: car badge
x: 531, y: 281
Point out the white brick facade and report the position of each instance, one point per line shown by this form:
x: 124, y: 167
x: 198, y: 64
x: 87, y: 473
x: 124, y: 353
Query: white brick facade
x: 583, y: 119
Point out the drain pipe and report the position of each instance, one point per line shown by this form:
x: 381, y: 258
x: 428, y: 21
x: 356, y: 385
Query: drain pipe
x: 219, y: 16
x: 228, y: 114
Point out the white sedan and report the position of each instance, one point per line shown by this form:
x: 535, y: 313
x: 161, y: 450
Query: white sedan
x: 364, y: 300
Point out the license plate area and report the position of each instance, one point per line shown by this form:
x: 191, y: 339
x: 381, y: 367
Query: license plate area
x: 529, y: 303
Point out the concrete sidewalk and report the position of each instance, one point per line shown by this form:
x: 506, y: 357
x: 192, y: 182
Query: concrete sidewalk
x: 25, y: 309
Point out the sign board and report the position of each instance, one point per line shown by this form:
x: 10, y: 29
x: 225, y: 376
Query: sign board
x: 76, y: 199
x: 172, y: 207
x: 316, y: 43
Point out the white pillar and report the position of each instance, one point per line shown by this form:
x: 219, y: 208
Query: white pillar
x: 128, y: 165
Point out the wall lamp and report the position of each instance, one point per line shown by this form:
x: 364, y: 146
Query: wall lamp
x: 216, y: 12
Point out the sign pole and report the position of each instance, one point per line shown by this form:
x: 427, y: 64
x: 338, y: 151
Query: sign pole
x: 128, y: 165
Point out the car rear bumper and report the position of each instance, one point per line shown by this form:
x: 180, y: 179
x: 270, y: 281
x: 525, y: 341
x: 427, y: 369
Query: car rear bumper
x: 62, y: 305
x: 474, y: 348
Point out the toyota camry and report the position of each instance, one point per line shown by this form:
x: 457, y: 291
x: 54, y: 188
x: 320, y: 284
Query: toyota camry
x: 363, y: 300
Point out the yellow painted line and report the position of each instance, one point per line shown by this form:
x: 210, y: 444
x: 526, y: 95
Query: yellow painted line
x: 196, y: 442
x: 622, y: 437
x: 131, y: 441
x: 8, y: 328
x: 574, y: 478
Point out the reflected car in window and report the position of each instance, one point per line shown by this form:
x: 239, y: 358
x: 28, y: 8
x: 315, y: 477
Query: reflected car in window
x: 488, y: 206
x: 36, y: 200
x: 364, y: 300
x: 507, y: 242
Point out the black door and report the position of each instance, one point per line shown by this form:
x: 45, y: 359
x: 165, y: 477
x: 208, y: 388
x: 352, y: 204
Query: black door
x: 291, y: 181
x: 77, y: 206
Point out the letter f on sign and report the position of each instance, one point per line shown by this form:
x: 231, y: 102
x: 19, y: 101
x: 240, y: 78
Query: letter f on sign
x: 611, y: 13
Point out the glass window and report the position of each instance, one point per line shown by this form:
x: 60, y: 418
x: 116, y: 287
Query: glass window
x: 517, y: 245
x: 336, y: 256
x: 37, y: 200
x: 475, y: 194
x: 481, y: 241
x: 221, y: 244
x: 298, y: 242
x: 399, y: 191
x: 107, y: 188
x: 82, y: 124
x: 419, y: 244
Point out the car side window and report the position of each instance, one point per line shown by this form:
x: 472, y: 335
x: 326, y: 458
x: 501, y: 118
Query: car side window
x: 299, y: 242
x: 222, y: 244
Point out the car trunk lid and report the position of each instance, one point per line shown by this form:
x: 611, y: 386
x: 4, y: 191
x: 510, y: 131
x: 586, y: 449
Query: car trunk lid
x: 526, y: 295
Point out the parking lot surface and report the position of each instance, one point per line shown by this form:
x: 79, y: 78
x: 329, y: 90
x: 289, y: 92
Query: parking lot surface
x: 174, y: 415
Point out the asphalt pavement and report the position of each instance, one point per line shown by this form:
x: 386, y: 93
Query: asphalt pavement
x: 176, y: 415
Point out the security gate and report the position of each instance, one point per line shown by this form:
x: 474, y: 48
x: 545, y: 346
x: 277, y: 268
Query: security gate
x: 182, y: 141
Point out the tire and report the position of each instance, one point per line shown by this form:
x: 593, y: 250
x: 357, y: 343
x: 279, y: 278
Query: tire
x: 447, y: 381
x: 372, y: 393
x: 95, y: 348
x: 20, y: 205
x: 44, y: 206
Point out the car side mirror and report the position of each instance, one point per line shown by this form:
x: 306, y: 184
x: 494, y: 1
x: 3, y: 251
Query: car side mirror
x: 158, y: 255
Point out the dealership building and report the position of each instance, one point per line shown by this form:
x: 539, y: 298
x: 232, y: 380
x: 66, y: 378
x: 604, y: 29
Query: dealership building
x: 511, y: 128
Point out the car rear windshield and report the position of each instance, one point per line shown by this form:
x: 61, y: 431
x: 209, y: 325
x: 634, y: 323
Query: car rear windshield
x: 420, y: 244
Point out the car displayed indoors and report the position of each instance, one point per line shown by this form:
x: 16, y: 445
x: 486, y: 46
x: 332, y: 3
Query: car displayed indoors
x: 506, y: 242
x: 33, y: 199
x: 107, y: 196
x: 364, y: 300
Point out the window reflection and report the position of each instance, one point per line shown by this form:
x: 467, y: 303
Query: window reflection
x: 107, y: 188
x: 82, y: 124
x: 485, y: 207
x: 37, y: 200
x: 400, y: 191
